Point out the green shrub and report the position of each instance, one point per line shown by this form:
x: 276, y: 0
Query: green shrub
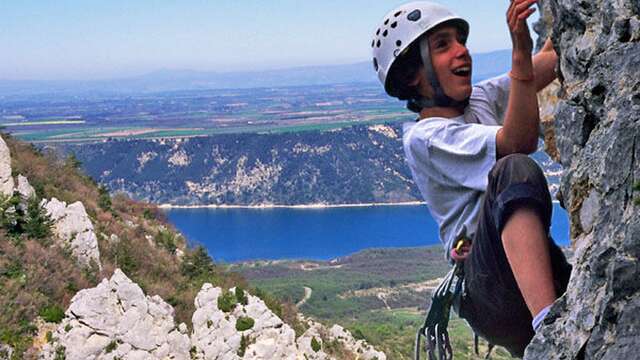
x: 358, y: 335
x: 13, y: 270
x: 244, y: 344
x: 241, y: 296
x: 37, y: 223
x: 209, y: 323
x: 167, y: 240
x: 61, y: 353
x: 148, y: 214
x: 52, y: 313
x: 104, y: 199
x: 227, y: 301
x: 73, y: 162
x: 112, y: 346
x: 49, y: 336
x: 68, y: 327
x: 315, y: 344
x: 244, y: 323
x: 196, y: 263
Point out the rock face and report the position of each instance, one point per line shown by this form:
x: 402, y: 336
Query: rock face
x: 6, y: 180
x: 597, y: 131
x: 74, y: 229
x: 216, y: 334
x: 115, y: 319
x: 25, y: 189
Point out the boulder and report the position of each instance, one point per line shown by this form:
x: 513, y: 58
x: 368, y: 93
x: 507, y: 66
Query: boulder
x: 73, y: 229
x: 215, y: 335
x: 7, y: 184
x: 116, y: 319
x: 25, y: 189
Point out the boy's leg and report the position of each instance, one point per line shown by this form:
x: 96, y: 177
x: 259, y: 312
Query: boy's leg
x: 526, y: 245
x: 517, y: 197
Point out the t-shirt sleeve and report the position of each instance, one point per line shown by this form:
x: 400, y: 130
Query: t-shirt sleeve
x: 459, y: 154
x: 490, y: 98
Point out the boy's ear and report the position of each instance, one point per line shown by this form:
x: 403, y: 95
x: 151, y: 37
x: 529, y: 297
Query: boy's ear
x: 416, y: 79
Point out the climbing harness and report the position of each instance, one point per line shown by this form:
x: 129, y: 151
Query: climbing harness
x: 435, y: 325
x: 434, y: 329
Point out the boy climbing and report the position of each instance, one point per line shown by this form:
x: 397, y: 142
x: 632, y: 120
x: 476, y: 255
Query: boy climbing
x: 467, y: 153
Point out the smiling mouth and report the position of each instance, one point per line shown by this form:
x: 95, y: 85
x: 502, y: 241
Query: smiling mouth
x: 462, y: 71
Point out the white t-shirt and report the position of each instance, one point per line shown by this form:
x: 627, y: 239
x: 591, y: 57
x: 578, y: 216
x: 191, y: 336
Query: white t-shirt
x: 450, y: 159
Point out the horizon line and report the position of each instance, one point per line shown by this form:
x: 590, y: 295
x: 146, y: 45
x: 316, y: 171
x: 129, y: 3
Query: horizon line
x: 169, y: 69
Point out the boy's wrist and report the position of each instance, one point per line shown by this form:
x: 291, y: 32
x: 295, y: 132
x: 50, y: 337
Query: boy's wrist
x: 521, y: 66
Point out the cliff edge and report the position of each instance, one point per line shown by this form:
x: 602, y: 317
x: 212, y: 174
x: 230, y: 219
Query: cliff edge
x: 596, y: 133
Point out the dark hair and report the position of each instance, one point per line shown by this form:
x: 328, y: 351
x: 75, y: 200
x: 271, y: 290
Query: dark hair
x: 404, y: 71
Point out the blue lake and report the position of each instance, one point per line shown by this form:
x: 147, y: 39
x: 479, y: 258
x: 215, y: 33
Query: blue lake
x: 236, y: 234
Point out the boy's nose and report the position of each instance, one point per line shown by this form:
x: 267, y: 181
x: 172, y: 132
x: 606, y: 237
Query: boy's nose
x: 461, y: 50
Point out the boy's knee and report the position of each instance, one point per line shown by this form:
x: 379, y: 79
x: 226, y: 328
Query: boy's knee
x: 517, y: 168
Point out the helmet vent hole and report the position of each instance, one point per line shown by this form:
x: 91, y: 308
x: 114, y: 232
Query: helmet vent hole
x: 398, y: 43
x: 394, y: 24
x: 385, y: 33
x: 397, y: 14
x: 375, y: 64
x: 373, y: 43
x: 386, y: 22
x: 415, y: 15
x: 378, y: 44
x: 378, y: 32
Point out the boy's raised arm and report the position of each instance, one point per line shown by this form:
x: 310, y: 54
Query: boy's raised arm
x: 519, y: 133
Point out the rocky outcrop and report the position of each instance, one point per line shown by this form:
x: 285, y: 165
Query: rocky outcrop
x: 597, y: 131
x: 25, y: 189
x: 6, y: 180
x: 74, y: 230
x: 217, y: 333
x: 116, y: 320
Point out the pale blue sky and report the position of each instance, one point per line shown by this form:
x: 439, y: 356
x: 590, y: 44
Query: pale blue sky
x: 91, y: 39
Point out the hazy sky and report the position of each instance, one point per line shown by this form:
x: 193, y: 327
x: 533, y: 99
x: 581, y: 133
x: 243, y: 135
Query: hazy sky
x: 90, y: 39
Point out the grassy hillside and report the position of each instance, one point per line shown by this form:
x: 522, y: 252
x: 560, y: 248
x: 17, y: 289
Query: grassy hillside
x: 38, y: 278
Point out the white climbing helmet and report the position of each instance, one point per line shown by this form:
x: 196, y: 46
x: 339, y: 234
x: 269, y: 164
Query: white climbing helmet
x: 401, y: 27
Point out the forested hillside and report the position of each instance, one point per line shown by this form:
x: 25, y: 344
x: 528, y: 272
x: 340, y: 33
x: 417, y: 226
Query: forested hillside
x: 357, y: 164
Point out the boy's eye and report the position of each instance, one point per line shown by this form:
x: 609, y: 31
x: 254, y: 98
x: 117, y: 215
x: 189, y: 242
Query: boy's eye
x: 440, y: 44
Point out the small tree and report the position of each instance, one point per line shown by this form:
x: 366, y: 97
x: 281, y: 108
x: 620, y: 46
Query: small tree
x: 37, y: 224
x: 197, y: 263
x: 104, y: 199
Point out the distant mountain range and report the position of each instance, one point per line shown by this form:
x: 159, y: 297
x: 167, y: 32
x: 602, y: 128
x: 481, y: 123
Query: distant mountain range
x: 485, y: 65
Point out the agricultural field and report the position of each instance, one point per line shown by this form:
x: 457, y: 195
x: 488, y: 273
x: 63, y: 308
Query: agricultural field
x: 96, y: 118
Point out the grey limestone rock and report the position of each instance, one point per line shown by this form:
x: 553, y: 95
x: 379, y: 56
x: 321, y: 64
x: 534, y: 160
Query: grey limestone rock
x: 25, y: 189
x: 116, y: 319
x: 7, y: 184
x: 597, y: 131
x: 215, y: 335
x: 73, y: 228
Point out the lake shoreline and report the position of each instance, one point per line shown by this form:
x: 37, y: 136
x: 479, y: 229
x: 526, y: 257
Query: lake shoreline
x: 276, y: 206
x: 303, y: 206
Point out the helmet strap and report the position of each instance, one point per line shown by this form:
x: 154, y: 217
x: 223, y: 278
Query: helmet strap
x: 440, y: 99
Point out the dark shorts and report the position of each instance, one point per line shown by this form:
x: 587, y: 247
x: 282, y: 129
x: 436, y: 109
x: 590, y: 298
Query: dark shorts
x: 493, y: 305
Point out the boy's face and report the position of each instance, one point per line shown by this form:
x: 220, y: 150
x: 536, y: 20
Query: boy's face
x: 451, y: 62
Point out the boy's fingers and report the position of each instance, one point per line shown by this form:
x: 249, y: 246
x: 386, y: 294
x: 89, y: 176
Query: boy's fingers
x: 526, y: 14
